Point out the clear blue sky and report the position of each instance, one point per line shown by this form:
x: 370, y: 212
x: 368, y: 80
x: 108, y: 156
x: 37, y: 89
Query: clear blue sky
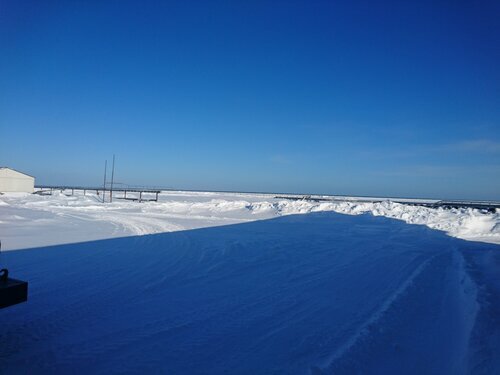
x: 361, y: 98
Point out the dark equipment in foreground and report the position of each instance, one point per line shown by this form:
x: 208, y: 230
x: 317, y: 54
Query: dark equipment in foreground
x: 12, y: 291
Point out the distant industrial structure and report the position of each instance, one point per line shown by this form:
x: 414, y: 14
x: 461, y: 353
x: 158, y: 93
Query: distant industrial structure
x: 15, y: 181
x: 137, y: 192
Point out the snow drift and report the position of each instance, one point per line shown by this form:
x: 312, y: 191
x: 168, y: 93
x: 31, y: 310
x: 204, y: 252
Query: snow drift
x: 32, y: 221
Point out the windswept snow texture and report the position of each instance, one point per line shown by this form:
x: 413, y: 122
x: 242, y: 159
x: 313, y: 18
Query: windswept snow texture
x: 33, y: 221
x: 320, y: 293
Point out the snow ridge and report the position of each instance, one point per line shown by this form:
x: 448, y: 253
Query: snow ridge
x: 26, y: 217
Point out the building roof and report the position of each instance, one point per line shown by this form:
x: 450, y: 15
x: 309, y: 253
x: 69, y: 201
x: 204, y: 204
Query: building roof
x: 15, y: 170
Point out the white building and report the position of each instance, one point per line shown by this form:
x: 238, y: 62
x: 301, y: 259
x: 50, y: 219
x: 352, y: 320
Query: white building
x: 14, y: 181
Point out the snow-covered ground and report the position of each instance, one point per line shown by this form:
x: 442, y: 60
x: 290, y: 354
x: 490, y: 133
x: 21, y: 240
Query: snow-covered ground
x: 320, y: 293
x: 33, y: 220
x: 209, y: 283
x: 317, y: 293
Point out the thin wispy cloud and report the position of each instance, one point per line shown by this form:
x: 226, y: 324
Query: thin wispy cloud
x: 280, y: 159
x: 446, y: 171
x: 475, y: 146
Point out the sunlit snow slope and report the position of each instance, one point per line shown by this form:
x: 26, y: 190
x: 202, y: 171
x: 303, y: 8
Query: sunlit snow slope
x: 33, y: 221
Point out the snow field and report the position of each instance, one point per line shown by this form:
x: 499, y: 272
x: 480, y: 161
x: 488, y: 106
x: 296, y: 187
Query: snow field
x: 248, y: 284
x: 34, y: 220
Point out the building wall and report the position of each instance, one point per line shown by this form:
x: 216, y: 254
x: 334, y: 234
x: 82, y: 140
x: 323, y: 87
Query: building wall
x: 13, y: 181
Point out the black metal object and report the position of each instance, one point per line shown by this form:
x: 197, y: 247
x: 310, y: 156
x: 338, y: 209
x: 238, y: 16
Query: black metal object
x: 12, y: 291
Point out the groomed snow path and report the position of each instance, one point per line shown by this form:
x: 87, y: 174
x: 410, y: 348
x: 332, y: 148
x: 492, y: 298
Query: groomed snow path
x: 316, y: 293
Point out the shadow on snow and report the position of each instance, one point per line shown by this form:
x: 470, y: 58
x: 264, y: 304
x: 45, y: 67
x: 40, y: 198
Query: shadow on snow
x: 318, y: 293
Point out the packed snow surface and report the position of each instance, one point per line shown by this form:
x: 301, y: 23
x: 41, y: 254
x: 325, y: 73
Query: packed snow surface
x: 32, y: 220
x: 248, y: 284
x: 320, y: 293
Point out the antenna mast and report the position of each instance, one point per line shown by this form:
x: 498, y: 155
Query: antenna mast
x: 112, y: 178
x: 104, y: 185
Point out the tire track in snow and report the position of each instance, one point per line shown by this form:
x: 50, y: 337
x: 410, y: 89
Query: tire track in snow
x: 363, y: 328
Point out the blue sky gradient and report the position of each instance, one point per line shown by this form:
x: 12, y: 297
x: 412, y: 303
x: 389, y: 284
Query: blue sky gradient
x: 390, y: 99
